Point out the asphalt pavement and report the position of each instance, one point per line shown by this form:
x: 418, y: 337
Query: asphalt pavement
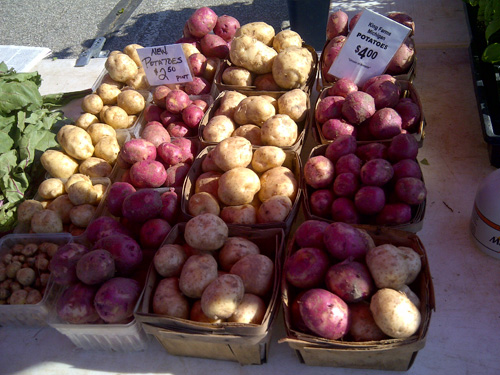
x: 69, y: 27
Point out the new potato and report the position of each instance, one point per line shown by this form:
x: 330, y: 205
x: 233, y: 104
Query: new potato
x: 254, y: 110
x: 238, y: 186
x: 252, y: 54
x: 58, y: 164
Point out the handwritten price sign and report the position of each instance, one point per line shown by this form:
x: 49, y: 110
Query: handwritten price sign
x: 369, y: 47
x: 165, y: 64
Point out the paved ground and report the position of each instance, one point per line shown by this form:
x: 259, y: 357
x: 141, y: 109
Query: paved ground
x: 69, y: 27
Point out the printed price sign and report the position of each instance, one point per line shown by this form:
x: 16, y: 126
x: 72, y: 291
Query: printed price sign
x: 165, y: 64
x: 369, y: 47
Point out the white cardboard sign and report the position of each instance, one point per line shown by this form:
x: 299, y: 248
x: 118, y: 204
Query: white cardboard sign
x: 369, y: 47
x: 165, y: 64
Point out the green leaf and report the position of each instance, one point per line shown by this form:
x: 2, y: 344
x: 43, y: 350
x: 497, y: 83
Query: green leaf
x: 491, y: 54
x: 8, y: 217
x: 17, y: 95
x: 424, y: 161
x: 492, y: 28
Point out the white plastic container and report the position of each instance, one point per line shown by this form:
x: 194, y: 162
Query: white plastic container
x: 485, y: 218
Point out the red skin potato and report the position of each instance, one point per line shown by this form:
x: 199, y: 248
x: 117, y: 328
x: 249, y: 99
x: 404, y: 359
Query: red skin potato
x: 363, y: 326
x: 409, y: 112
x: 406, y: 168
x: 153, y: 232
x: 376, y: 172
x: 62, y: 266
x: 371, y: 151
x: 201, y: 104
x: 385, y: 93
x: 369, y: 200
x: 377, y: 79
x: 343, y: 210
x: 125, y: 251
x: 192, y: 115
x: 329, y: 107
x: 402, y: 146
x: 170, y: 206
x: 116, y: 298
x: 167, y: 117
x: 403, y: 58
x: 155, y: 132
x: 354, y: 20
x: 343, y: 241
x: 296, y: 318
x: 76, y: 304
x: 306, y: 267
x: 404, y: 19
x: 188, y: 147
x: 176, y: 101
x: 350, y: 280
x: 170, y: 153
x: 342, y: 145
x: 201, y: 22
x: 358, y: 106
x: 95, y: 267
x: 342, y: 87
x: 337, y: 24
x: 332, y: 50
x: 348, y: 163
x: 319, y: 172
x: 148, y: 174
x: 320, y: 202
x: 410, y: 190
x: 104, y: 226
x: 159, y: 95
x: 142, y: 205
x: 345, y: 185
x: 198, y: 86
x: 335, y: 127
x: 385, y: 124
x: 176, y: 175
x: 179, y: 129
x: 324, y: 313
x: 198, y: 63
x: 117, y: 193
x: 213, y: 45
x: 310, y: 233
x: 138, y: 149
x: 152, y: 112
x: 394, y: 214
x: 226, y: 27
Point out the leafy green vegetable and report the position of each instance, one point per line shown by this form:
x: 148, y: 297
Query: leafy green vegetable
x: 27, y: 128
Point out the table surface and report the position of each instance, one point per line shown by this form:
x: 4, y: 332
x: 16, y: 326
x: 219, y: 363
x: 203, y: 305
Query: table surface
x: 463, y: 336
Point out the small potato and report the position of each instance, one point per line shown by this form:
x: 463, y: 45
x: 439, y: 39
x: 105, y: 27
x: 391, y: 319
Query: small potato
x: 245, y: 214
x: 203, y: 202
x: 388, y: 266
x: 278, y: 181
x: 198, y: 271
x: 294, y: 104
x: 75, y: 178
x: 131, y: 51
x: 207, y: 182
x: 82, y: 192
x: 75, y: 141
x: 58, y: 164
x: 95, y: 167
x: 189, y: 49
x: 139, y: 81
x: 250, y: 132
x: 99, y: 130
x: 116, y: 117
x: 229, y: 102
x: 107, y: 149
x: 46, y: 221
x: 292, y: 67
x: 257, y: 273
x: 285, y: 39
x: 238, y: 186
x: 251, y: 310
x: 258, y: 30
x: 413, y: 261
x: 85, y: 120
x: 51, y: 188
x: 206, y: 232
x: 218, y: 128
x: 92, y: 103
x: 208, y: 163
x: 234, y: 249
x: 265, y: 82
x: 27, y: 209
x: 169, y: 259
x: 62, y: 205
x: 267, y: 157
x: 108, y: 93
x: 168, y: 299
x: 394, y: 313
x: 120, y: 67
x: 131, y: 101
x: 222, y: 296
x: 237, y: 76
x: 279, y: 130
x: 274, y: 210
x: 81, y: 215
x: 252, y: 54
x: 196, y: 314
x: 233, y: 152
x: 254, y: 110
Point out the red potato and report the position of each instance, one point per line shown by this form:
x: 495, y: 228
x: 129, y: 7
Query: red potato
x: 343, y: 241
x: 170, y: 206
x: 358, y: 106
x: 310, y: 233
x: 333, y: 128
x: 170, y: 153
x: 410, y: 190
x: 385, y: 92
x: 198, y: 86
x: 377, y: 79
x: 406, y: 168
x: 257, y: 273
x: 116, y: 298
x: 179, y: 129
x: 142, y: 205
x: 125, y: 251
x: 306, y: 268
x: 159, y: 94
x: 176, y: 100
x: 201, y: 22
x: 251, y: 310
x: 155, y: 132
x: 226, y: 27
x: 404, y: 19
x: 329, y: 107
x: 63, y: 264
x: 354, y: 20
x: 320, y: 201
x: 369, y: 200
x: 147, y: 174
x: 76, y: 304
x: 176, y: 174
x: 376, y: 172
x: 319, y: 172
x: 167, y: 118
x: 152, y: 112
x: 372, y: 150
x: 402, y: 146
x: 349, y: 163
x: 410, y: 114
x: 332, y: 50
x: 342, y: 87
x: 385, y: 124
x: 345, y: 185
x: 342, y: 145
x: 337, y: 24
x: 245, y: 214
x: 344, y: 210
x: 168, y: 299
x: 95, y: 267
x: 198, y: 63
x: 201, y: 104
x: 234, y: 249
x: 350, y: 280
x: 137, y: 149
x: 188, y: 147
x: 104, y: 226
x: 296, y: 318
x: 192, y: 115
x: 266, y: 82
x: 403, y: 58
x: 213, y: 45
x: 153, y: 232
x: 363, y: 326
x: 394, y: 214
x: 117, y: 192
x: 169, y: 260
x: 324, y: 313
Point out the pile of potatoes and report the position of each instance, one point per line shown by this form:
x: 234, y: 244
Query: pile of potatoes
x: 62, y: 205
x: 342, y: 284
x: 243, y: 185
x: 209, y: 276
x: 262, y: 119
